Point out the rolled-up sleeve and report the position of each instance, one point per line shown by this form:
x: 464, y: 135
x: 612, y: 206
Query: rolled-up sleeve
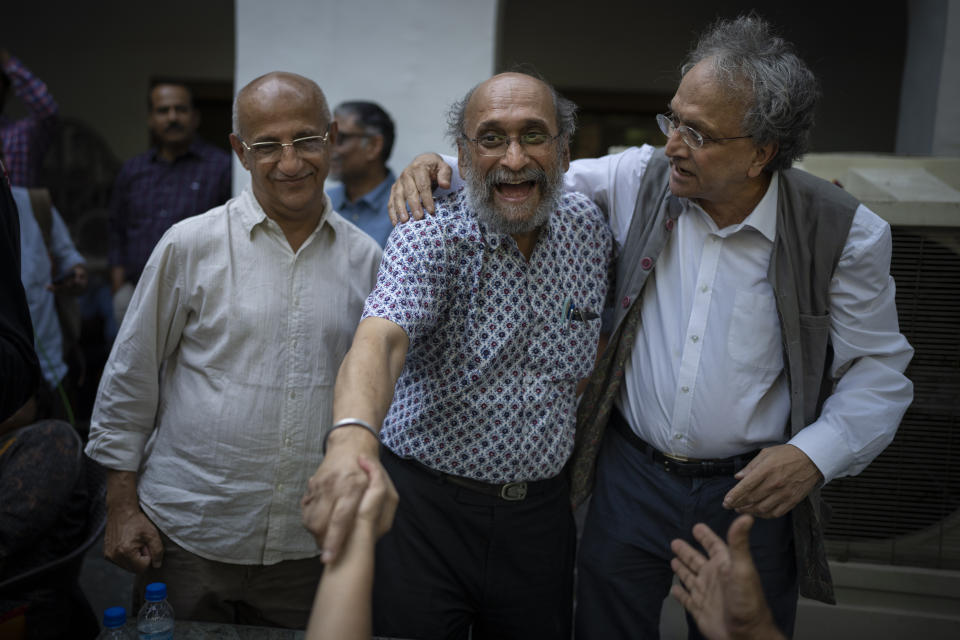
x: 127, y: 399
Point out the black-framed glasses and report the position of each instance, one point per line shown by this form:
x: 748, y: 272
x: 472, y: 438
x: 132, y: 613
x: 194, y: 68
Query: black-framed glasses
x: 272, y: 151
x: 693, y: 138
x: 495, y: 145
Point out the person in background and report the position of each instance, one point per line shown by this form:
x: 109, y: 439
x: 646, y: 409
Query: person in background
x: 24, y: 141
x: 19, y: 366
x: 179, y: 176
x: 214, y: 401
x: 49, y: 267
x: 365, y: 135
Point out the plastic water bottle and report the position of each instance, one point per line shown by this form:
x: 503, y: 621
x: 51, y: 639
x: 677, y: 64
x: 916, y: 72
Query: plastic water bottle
x: 155, y: 620
x: 114, y: 623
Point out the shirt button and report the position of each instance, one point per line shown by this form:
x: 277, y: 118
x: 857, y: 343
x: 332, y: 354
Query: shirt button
x: 704, y: 288
x: 646, y: 264
x: 695, y: 338
x: 296, y: 302
x: 294, y: 343
x: 677, y: 436
x: 625, y: 303
x: 685, y: 389
x: 279, y: 486
x: 670, y: 224
x: 286, y: 441
x: 293, y: 394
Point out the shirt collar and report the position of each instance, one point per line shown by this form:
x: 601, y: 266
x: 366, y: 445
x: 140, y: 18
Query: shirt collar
x: 252, y: 214
x: 763, y: 218
x: 373, y: 198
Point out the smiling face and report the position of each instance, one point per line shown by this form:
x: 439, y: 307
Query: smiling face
x: 719, y: 172
x: 514, y: 193
x: 283, y: 108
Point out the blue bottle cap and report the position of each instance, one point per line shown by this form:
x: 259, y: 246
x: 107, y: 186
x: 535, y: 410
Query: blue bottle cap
x: 114, y: 617
x: 156, y: 591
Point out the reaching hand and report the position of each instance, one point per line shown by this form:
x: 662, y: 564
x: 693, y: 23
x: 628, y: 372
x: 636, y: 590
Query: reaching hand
x: 131, y: 541
x: 773, y: 483
x: 73, y: 283
x: 335, y: 491
x: 379, y: 502
x: 723, y: 592
x: 415, y: 185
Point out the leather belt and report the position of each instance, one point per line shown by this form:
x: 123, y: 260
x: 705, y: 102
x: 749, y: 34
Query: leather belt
x: 509, y: 492
x: 680, y: 465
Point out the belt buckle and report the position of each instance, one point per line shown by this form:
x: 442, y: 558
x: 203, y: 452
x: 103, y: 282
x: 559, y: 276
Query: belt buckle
x: 676, y: 457
x: 514, y: 491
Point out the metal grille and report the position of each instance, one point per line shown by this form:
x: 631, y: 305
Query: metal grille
x: 904, y: 509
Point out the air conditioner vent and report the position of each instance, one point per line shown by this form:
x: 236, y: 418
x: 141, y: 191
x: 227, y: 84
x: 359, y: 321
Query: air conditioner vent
x: 905, y: 507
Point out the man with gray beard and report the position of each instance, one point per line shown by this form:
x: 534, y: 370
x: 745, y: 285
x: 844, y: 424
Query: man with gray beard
x: 483, y: 321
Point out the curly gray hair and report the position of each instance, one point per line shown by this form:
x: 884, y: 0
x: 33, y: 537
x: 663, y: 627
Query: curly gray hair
x: 778, y: 88
x: 564, y: 110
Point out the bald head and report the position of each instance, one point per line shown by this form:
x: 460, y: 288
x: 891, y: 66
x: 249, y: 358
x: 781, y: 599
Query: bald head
x: 564, y: 111
x: 274, y: 87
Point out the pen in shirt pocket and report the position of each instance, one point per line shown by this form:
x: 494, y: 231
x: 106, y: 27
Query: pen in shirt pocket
x: 571, y: 312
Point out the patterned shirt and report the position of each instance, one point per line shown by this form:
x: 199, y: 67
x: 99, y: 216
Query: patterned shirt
x: 26, y: 140
x: 488, y: 388
x: 150, y: 195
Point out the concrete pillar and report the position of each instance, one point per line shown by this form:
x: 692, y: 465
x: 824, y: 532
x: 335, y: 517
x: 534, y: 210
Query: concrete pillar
x: 414, y: 57
x: 929, y: 122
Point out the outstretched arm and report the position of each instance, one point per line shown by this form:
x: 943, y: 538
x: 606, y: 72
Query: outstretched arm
x: 341, y: 609
x: 363, y: 391
x: 722, y: 590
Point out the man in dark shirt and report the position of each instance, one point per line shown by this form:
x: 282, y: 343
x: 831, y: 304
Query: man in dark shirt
x: 25, y: 140
x: 179, y: 177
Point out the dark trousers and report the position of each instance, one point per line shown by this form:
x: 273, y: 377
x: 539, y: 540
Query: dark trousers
x: 623, y: 569
x: 456, y: 558
x: 274, y: 595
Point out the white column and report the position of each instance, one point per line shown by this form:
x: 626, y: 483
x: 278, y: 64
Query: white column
x: 413, y: 57
x: 929, y: 122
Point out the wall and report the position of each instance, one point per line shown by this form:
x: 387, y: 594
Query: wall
x: 97, y: 57
x: 414, y: 57
x: 946, y: 138
x: 856, y: 49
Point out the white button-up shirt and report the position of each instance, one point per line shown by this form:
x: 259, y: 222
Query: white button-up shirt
x: 220, y: 383
x: 706, y: 377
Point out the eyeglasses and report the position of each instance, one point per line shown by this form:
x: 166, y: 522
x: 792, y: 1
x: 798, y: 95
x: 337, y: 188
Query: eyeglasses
x: 692, y: 137
x: 495, y: 145
x: 272, y: 151
x: 343, y: 137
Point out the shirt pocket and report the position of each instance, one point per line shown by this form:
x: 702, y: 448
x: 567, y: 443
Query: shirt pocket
x: 569, y: 347
x: 753, y: 340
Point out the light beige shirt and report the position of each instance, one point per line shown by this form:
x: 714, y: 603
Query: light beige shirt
x: 220, y: 383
